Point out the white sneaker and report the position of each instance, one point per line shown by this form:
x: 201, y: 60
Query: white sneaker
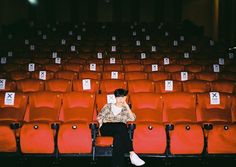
x: 135, y: 160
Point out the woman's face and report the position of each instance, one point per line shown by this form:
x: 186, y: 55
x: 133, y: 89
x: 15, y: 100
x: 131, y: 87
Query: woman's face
x: 120, y: 101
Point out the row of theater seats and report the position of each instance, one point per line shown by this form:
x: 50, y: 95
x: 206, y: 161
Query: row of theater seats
x: 172, y: 124
x: 115, y: 75
x: 148, y: 65
x: 109, y: 85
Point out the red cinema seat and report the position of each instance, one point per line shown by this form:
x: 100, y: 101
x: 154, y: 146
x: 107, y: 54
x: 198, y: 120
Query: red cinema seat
x: 74, y: 135
x: 179, y: 113
x: 37, y: 135
x: 12, y: 110
x: 149, y: 128
x: 215, y: 109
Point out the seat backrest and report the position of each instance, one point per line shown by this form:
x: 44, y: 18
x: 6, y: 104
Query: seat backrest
x: 113, y: 67
x: 58, y: 85
x: 147, y: 107
x: 174, y: 68
x: 143, y: 85
x: 135, y: 75
x: 43, y: 75
x: 168, y: 86
x: 223, y: 86
x: 90, y: 75
x: 133, y: 67
x: 110, y: 85
x: 86, y: 85
x: 182, y: 76
x: 213, y: 107
x: 194, y: 68
x: 52, y: 67
x: 7, y: 85
x: 65, y: 74
x: 78, y: 106
x: 18, y: 75
x: 207, y: 76
x: 44, y: 106
x: 93, y: 67
x: 30, y: 85
x: 158, y: 76
x: 179, y: 107
x: 113, y: 60
x: 75, y: 67
x: 113, y: 75
x: 196, y: 86
x: 153, y: 68
x: 12, y: 106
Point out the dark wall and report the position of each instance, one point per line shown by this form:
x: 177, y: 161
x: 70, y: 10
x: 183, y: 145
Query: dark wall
x: 200, y: 12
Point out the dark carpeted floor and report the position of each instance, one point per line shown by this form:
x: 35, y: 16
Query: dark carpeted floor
x: 105, y: 162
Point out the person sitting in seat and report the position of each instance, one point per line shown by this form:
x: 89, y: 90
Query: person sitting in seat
x: 112, y: 122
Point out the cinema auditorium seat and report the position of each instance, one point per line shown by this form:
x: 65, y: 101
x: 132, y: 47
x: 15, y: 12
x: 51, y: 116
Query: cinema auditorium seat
x: 214, y: 112
x: 13, y: 107
x: 148, y: 124
x: 38, y: 133
x: 185, y: 134
x: 74, y: 135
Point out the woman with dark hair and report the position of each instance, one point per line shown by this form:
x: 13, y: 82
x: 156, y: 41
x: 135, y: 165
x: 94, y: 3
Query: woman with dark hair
x: 112, y: 122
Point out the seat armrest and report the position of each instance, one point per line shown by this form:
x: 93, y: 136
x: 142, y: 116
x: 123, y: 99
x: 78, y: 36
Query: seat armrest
x: 169, y: 127
x: 208, y: 126
x: 15, y: 125
x: 131, y: 125
x: 55, y: 125
x: 93, y: 125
